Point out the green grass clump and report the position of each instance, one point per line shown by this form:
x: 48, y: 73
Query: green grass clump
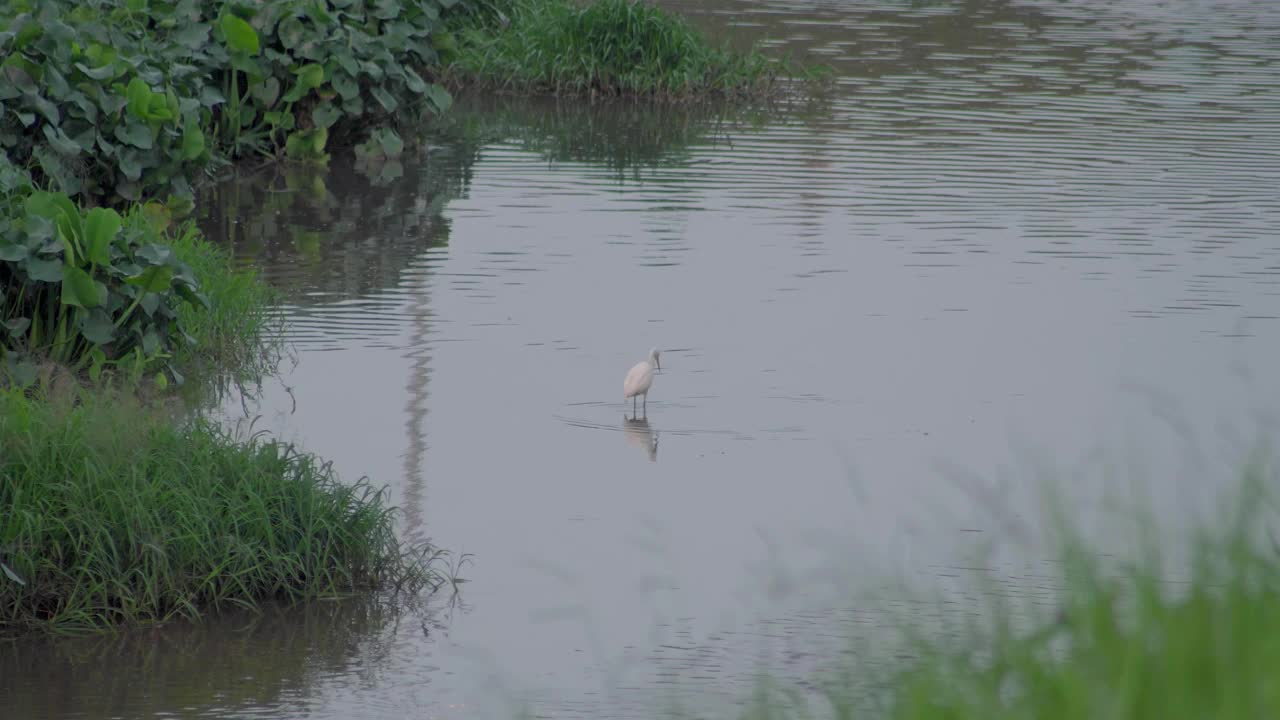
x: 606, y: 47
x: 1149, y: 637
x: 115, y: 514
x: 237, y: 334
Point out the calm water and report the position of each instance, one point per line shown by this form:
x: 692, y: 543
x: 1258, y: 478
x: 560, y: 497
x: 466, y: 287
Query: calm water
x: 1016, y: 237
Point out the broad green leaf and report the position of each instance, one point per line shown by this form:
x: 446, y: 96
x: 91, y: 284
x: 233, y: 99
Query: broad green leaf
x: 414, y: 81
x: 139, y: 96
x: 191, y: 296
x: 149, y: 303
x: 59, y: 209
x: 266, y: 92
x: 16, y: 326
x: 80, y: 290
x: 158, y: 107
x: 439, y: 97
x: 44, y: 270
x: 240, y: 35
x: 325, y: 115
x: 290, y: 32
x: 13, y: 252
x: 391, y: 143
x: 155, y: 253
x: 384, y: 98
x: 310, y: 76
x: 25, y: 118
x: 162, y: 382
x: 136, y: 134
x: 130, y: 164
x: 346, y: 86
x: 150, y: 342
x: 105, y: 72
x: 192, y: 140
x: 96, y: 327
x: 191, y: 35
x: 154, y: 279
x: 100, y: 228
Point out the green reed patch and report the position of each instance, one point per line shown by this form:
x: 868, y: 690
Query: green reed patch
x: 115, y: 515
x: 605, y: 47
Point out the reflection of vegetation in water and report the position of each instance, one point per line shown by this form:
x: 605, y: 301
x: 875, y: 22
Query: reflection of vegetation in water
x: 240, y: 660
x: 341, y: 232
x: 626, y: 136
x: 353, y: 228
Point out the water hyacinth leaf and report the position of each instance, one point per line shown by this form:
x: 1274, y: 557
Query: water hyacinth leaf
x: 100, y: 228
x: 310, y: 77
x: 96, y: 327
x: 135, y: 134
x: 129, y: 164
x: 154, y: 279
x: 346, y: 86
x: 80, y: 290
x: 240, y: 35
x: 139, y: 97
x: 193, y: 143
x: 59, y: 209
x: 384, y: 98
x: 156, y: 254
x: 266, y: 92
x: 150, y: 342
x: 439, y: 97
x: 103, y: 72
x: 13, y: 252
x: 59, y: 141
x: 191, y: 35
x: 196, y: 299
x: 44, y: 270
x: 149, y: 303
x: 16, y: 326
x: 158, y: 215
x: 414, y: 81
x: 290, y: 32
x: 390, y: 142
x: 26, y: 118
x: 325, y: 115
x: 211, y: 96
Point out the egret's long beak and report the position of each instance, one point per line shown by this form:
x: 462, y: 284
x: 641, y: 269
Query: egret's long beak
x: 659, y: 364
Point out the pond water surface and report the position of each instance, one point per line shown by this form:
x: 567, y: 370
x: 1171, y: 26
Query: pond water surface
x: 1016, y: 237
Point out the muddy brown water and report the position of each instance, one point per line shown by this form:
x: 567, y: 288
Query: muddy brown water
x: 1016, y: 237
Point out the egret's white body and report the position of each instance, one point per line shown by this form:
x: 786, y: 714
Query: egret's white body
x: 640, y: 378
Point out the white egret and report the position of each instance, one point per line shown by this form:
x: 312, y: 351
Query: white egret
x: 640, y: 379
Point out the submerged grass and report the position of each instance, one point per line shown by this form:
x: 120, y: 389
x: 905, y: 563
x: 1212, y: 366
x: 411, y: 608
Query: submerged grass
x: 1127, y: 640
x: 238, y: 333
x: 603, y: 47
x: 115, y: 514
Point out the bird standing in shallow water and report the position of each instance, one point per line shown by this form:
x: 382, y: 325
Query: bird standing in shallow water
x: 639, y: 380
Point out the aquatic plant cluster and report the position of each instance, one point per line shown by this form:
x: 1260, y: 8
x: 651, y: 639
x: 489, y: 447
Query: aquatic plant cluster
x: 605, y: 48
x: 112, y: 113
x: 115, y: 514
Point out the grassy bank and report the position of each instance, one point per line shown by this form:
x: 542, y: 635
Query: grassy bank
x: 115, y: 514
x: 598, y: 48
x: 1178, y: 629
